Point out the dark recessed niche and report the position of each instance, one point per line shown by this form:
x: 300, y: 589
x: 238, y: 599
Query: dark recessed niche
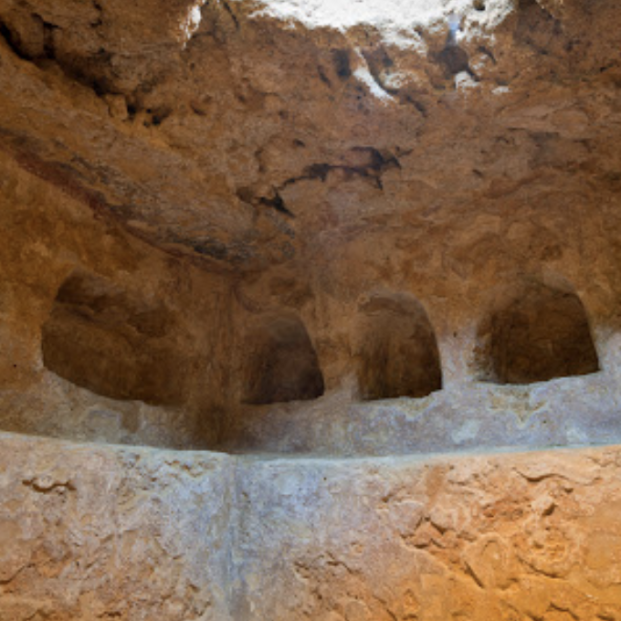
x: 398, y: 353
x: 111, y: 342
x: 537, y: 334
x: 282, y: 364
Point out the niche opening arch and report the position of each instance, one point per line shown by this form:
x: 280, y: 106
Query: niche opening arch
x: 281, y: 362
x: 535, y: 332
x: 397, y: 351
x: 113, y: 342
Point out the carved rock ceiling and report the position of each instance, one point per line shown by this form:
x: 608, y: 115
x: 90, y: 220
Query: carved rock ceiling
x: 253, y: 133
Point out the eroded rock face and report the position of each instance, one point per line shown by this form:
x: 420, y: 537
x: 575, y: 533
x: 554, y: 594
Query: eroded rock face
x: 92, y: 533
x: 232, y: 130
x: 107, y: 338
x: 487, y: 537
x: 297, y: 160
x: 99, y: 338
x: 398, y: 354
x: 281, y: 364
x: 102, y: 337
x: 540, y: 334
x: 292, y: 227
x: 192, y: 536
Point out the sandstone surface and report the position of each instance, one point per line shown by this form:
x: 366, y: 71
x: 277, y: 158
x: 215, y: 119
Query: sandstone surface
x: 264, y: 264
x: 189, y: 536
x: 311, y: 160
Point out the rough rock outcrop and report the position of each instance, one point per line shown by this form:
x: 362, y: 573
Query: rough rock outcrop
x: 355, y: 231
x: 194, y: 536
x: 93, y: 532
x: 306, y: 161
x: 254, y: 132
x: 101, y: 336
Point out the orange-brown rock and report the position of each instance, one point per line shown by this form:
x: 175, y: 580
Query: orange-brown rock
x: 339, y: 242
x: 191, y: 535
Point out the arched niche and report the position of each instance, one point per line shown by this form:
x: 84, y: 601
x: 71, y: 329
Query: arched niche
x: 397, y: 353
x: 281, y: 362
x: 535, y: 333
x: 113, y: 343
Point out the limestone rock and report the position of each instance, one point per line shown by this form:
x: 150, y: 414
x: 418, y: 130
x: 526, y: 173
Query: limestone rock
x: 337, y: 241
x: 195, y: 536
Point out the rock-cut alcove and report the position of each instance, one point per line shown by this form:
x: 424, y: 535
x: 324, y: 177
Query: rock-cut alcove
x: 281, y: 363
x: 536, y: 333
x: 107, y: 340
x: 398, y: 353
x: 251, y: 191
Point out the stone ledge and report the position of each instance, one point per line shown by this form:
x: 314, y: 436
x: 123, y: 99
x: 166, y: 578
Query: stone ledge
x: 93, y: 532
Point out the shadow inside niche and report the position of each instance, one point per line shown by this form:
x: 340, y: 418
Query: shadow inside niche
x: 281, y: 364
x: 113, y: 343
x: 397, y: 352
x: 539, y: 334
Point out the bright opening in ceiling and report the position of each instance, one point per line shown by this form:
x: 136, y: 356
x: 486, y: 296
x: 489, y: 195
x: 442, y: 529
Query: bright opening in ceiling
x: 395, y: 15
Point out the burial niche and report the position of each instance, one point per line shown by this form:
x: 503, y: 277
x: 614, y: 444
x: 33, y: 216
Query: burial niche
x: 281, y: 364
x: 397, y: 351
x: 102, y: 338
x: 537, y: 334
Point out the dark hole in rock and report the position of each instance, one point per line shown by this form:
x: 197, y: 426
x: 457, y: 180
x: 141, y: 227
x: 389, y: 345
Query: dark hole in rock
x: 282, y: 363
x: 398, y: 353
x: 104, y: 339
x: 540, y: 335
x: 342, y: 63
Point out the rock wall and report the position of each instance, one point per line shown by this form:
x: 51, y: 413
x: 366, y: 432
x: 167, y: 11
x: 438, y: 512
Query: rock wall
x: 104, y: 533
x: 224, y: 130
x: 107, y: 338
x: 432, y: 182
x: 103, y: 337
x: 98, y: 532
x: 275, y: 226
x: 530, y: 536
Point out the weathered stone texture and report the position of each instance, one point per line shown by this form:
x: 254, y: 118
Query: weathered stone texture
x: 291, y: 227
x: 244, y: 110
x: 530, y: 536
x: 99, y: 533
x: 139, y: 534
x: 85, y: 306
x: 107, y: 338
x: 306, y: 167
